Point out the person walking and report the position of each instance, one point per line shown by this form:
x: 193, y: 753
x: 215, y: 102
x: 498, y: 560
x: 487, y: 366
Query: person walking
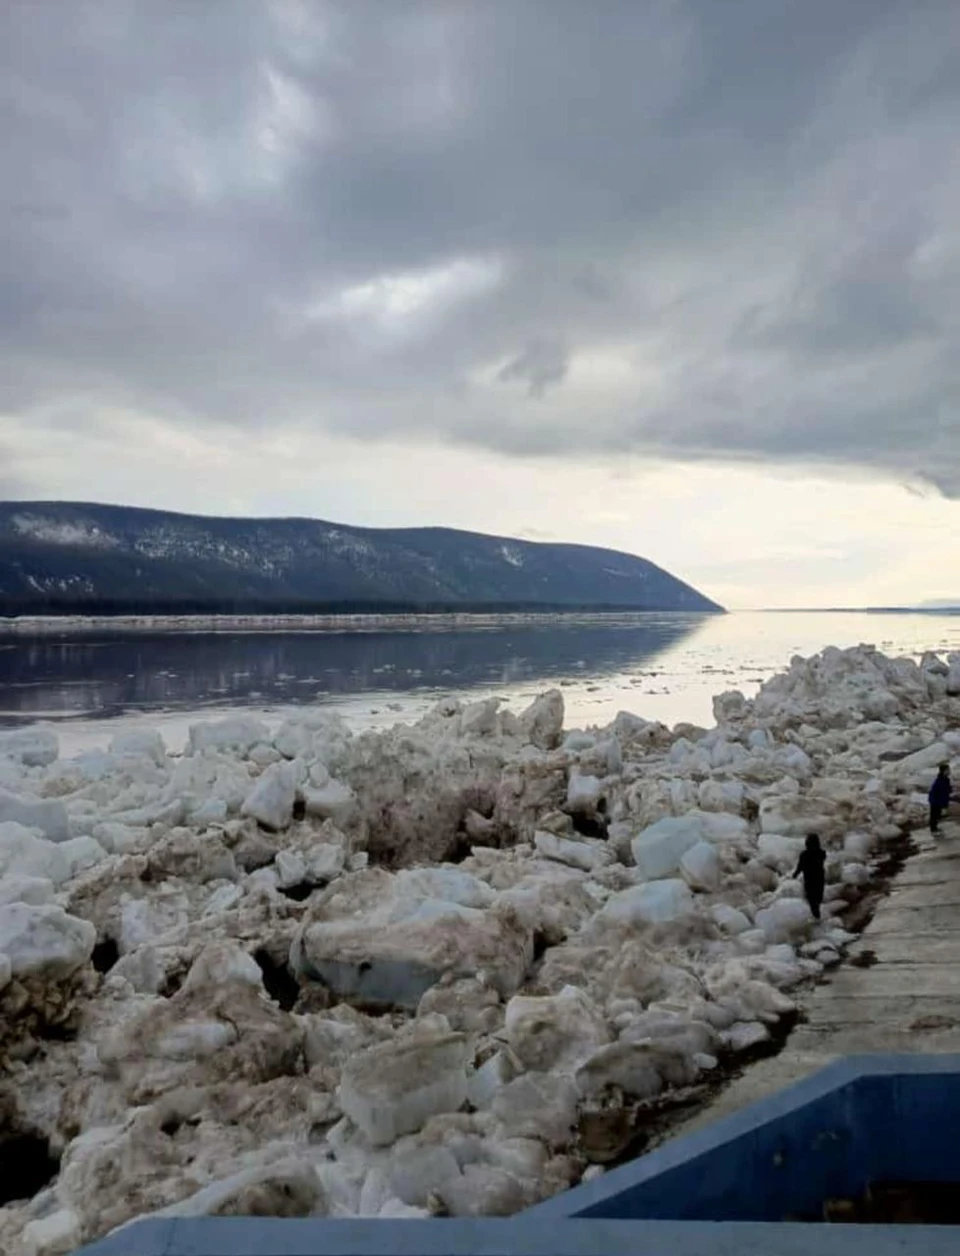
x: 811, y: 867
x: 941, y: 792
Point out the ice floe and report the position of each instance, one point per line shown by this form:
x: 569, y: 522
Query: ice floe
x: 427, y: 971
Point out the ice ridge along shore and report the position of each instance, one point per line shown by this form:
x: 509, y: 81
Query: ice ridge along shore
x: 446, y: 969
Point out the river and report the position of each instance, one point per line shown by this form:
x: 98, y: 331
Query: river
x: 661, y: 666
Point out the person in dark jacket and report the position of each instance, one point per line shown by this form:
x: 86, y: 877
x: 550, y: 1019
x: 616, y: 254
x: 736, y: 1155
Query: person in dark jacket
x: 811, y: 868
x: 941, y: 791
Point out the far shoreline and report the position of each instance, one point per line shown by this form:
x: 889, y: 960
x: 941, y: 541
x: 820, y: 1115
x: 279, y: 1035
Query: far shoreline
x: 369, y: 621
x: 391, y: 620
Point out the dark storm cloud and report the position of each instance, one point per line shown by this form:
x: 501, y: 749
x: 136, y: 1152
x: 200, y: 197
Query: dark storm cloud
x: 692, y: 228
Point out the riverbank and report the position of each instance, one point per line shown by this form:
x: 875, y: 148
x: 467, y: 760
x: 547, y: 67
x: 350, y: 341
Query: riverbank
x: 87, y: 686
x: 899, y: 991
x: 373, y: 621
x: 443, y: 969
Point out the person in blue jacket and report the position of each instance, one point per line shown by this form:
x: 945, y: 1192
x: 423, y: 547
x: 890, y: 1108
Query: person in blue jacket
x: 941, y: 791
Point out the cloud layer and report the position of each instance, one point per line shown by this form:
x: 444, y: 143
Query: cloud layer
x: 693, y: 230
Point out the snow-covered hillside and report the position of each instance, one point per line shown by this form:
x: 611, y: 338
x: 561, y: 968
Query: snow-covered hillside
x: 70, y: 554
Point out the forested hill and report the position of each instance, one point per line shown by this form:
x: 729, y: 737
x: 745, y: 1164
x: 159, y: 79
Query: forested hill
x: 70, y: 556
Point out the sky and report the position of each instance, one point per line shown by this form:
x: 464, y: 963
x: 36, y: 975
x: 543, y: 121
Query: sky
x: 677, y: 277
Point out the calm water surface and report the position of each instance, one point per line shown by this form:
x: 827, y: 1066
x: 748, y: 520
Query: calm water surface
x: 661, y: 666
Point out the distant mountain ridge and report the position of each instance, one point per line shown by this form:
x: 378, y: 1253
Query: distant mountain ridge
x: 69, y: 555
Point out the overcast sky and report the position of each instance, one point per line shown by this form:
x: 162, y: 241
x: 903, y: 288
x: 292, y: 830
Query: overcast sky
x: 678, y: 278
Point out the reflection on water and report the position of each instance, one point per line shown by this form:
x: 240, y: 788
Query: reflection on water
x: 665, y: 667
x: 109, y: 674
